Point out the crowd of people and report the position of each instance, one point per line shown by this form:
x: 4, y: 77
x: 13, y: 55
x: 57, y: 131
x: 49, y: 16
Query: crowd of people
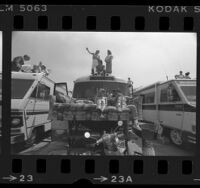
x: 97, y: 64
x: 181, y: 76
x: 22, y: 64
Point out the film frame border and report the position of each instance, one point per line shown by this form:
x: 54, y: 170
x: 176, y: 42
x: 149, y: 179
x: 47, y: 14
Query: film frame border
x: 115, y: 19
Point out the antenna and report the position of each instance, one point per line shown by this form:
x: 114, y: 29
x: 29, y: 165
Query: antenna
x: 164, y: 69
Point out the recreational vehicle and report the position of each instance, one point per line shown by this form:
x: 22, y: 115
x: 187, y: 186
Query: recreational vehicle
x: 172, y: 105
x: 30, y: 94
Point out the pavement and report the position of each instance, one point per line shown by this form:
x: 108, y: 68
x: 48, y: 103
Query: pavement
x: 162, y: 148
x: 169, y: 149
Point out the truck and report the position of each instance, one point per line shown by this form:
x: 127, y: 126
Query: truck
x: 101, y: 119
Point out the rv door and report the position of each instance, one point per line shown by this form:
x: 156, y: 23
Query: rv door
x: 38, y: 108
x: 171, y: 108
x: 138, y: 104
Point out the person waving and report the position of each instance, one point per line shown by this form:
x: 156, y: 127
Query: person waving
x: 95, y: 60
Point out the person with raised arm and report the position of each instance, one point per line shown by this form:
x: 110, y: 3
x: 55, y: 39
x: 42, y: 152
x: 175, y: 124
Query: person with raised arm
x: 95, y: 60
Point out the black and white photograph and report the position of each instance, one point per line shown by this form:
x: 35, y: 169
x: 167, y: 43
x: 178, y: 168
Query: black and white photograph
x: 103, y: 93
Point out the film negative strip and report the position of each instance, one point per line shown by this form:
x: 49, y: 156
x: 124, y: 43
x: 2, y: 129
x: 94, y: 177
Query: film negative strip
x: 99, y: 94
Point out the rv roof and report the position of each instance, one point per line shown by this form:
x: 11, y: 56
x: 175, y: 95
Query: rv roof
x: 164, y: 82
x: 148, y: 87
x: 29, y: 76
x: 99, y: 79
x: 22, y: 75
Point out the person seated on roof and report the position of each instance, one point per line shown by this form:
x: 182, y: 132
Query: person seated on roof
x: 35, y: 69
x: 180, y: 76
x: 27, y: 68
x: 42, y: 68
x: 100, y: 69
x: 18, y: 62
x: 187, y: 75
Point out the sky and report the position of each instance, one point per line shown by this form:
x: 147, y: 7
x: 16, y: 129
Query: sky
x: 145, y: 57
x: 0, y: 51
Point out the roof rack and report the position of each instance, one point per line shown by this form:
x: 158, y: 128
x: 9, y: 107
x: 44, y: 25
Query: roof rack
x: 100, y: 77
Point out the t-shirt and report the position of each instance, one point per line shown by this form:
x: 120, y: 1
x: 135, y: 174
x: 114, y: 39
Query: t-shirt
x: 179, y: 76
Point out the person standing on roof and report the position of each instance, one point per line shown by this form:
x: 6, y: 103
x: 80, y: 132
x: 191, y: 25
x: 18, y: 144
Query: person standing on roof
x: 130, y: 86
x: 95, y: 60
x: 180, y: 76
x: 108, y: 61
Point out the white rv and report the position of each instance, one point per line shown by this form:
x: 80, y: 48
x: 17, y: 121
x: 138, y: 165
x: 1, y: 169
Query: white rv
x: 171, y: 104
x: 30, y: 93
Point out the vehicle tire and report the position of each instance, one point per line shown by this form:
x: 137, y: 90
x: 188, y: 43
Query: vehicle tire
x: 40, y: 133
x: 176, y: 137
x: 33, y: 138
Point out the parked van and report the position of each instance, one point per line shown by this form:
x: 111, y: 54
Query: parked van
x: 171, y: 104
x: 30, y: 94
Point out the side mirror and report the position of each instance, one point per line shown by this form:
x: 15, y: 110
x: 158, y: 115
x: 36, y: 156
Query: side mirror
x: 61, y: 88
x: 70, y: 94
x: 61, y: 92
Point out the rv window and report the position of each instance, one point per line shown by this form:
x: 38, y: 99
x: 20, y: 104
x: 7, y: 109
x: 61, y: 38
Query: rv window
x: 19, y: 88
x: 190, y: 92
x: 163, y: 95
x: 41, y: 92
x: 149, y: 98
x: 169, y: 95
x: 175, y: 96
x: 89, y: 89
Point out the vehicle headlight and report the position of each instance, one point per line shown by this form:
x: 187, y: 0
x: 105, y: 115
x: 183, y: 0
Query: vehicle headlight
x: 120, y: 123
x: 15, y: 121
x: 194, y: 128
x: 87, y: 135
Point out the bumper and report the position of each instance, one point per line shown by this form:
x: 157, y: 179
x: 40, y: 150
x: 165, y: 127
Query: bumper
x: 189, y: 137
x: 17, y: 138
